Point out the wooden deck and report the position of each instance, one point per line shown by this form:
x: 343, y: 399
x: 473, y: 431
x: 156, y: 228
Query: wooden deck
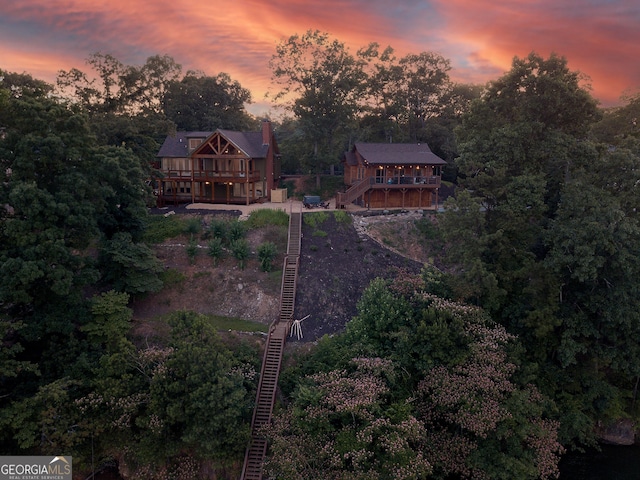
x: 403, y: 192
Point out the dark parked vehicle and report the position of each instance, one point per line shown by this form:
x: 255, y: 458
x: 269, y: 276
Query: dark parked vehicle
x: 312, y: 201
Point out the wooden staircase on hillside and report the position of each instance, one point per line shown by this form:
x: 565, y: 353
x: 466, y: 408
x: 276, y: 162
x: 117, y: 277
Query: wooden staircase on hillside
x: 272, y: 359
x: 295, y: 234
x: 265, y: 399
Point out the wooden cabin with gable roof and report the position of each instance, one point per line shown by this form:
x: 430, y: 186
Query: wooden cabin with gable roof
x: 391, y: 175
x: 218, y: 167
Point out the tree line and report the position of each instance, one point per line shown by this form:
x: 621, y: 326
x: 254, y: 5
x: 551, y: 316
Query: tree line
x: 545, y: 235
x: 518, y: 350
x: 542, y: 237
x: 334, y: 98
x: 75, y: 198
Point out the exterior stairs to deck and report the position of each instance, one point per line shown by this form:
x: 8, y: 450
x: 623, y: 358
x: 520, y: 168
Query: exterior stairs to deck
x: 357, y: 189
x: 272, y: 359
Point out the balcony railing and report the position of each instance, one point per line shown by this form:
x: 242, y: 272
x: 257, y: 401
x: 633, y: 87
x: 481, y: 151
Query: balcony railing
x: 433, y: 180
x: 398, y: 182
x: 209, y: 175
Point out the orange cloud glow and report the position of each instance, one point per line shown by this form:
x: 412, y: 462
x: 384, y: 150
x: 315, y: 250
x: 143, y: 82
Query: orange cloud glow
x: 599, y: 38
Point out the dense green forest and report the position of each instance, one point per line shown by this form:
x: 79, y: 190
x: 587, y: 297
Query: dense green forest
x: 519, y: 350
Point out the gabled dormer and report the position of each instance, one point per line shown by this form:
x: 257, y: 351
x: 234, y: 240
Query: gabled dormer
x: 217, y: 144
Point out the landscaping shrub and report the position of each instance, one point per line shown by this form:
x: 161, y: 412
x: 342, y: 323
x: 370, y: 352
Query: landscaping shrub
x: 266, y: 253
x: 216, y: 250
x: 341, y: 216
x: 316, y: 218
x: 240, y: 251
x: 171, y: 276
x: 218, y: 228
x: 192, y: 249
x: 192, y: 226
x: 159, y: 228
x: 236, y: 231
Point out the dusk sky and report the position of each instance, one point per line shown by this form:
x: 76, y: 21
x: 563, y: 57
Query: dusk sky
x: 600, y: 38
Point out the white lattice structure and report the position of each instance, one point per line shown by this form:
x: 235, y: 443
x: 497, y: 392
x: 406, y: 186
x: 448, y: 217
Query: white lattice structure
x: 296, y: 328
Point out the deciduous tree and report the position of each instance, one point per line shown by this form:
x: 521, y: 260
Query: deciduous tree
x: 440, y: 375
x: 203, y: 103
x: 119, y: 88
x: 129, y: 266
x: 341, y: 427
x: 558, y: 235
x: 320, y: 82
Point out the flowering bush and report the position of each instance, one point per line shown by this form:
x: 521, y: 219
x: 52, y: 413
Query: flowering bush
x: 340, y: 427
x: 152, y: 406
x: 433, y: 392
x: 480, y: 423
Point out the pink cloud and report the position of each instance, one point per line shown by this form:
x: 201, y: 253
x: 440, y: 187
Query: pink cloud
x: 480, y: 37
x: 238, y: 39
x: 600, y: 40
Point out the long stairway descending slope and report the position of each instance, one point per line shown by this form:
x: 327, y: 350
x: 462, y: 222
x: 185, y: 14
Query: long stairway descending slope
x: 295, y: 234
x: 265, y: 398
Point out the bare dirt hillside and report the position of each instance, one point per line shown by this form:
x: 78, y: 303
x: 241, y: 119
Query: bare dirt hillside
x: 338, y: 261
x: 335, y: 270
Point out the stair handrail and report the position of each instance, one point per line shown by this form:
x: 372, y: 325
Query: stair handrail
x: 354, y: 191
x: 272, y: 328
x: 290, y: 259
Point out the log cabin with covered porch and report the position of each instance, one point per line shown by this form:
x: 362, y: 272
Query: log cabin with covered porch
x: 218, y: 167
x: 391, y: 175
